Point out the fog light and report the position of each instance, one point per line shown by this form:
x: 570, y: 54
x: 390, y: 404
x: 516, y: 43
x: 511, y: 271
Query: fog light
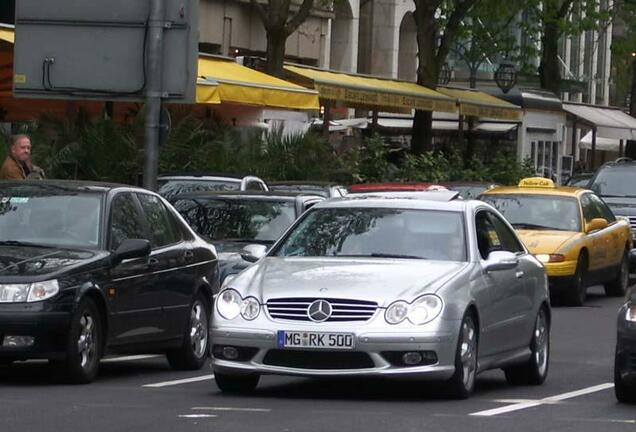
x: 230, y: 353
x: 412, y: 358
x: 18, y: 341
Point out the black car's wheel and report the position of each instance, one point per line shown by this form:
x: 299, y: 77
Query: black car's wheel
x: 535, y: 370
x: 194, y: 350
x: 576, y: 292
x: 625, y: 392
x: 617, y: 287
x: 236, y: 384
x: 462, y: 383
x: 84, y: 344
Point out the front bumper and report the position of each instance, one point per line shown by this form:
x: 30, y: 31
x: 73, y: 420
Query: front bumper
x: 375, y: 353
x: 560, y: 269
x: 47, y: 325
x: 626, y: 350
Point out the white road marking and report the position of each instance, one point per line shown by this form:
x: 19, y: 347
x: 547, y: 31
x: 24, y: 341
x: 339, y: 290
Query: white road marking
x: 129, y: 358
x: 181, y: 381
x: 197, y: 416
x: 232, y: 409
x: 548, y: 400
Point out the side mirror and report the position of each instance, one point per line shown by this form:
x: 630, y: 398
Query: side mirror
x: 253, y: 252
x: 501, y: 260
x: 131, y: 248
x: 595, y: 225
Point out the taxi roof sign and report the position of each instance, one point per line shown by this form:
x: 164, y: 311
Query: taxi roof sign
x: 536, y: 182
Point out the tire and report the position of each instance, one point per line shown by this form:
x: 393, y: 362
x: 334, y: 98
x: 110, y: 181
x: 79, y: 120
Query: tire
x: 236, y: 384
x: 193, y: 353
x: 618, y: 286
x: 576, y: 292
x: 535, y: 370
x: 84, y: 345
x: 462, y: 383
x: 624, y: 392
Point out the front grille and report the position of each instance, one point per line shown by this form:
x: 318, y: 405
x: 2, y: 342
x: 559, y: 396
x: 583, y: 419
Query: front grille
x: 327, y: 360
x: 295, y: 309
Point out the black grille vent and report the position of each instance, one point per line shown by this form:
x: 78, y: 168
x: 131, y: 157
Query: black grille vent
x: 325, y: 360
x: 343, y: 310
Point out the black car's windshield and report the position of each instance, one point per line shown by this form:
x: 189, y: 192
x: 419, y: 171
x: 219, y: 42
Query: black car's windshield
x: 538, y: 212
x: 377, y: 232
x: 32, y: 215
x: 615, y: 182
x: 238, y: 219
x: 171, y: 188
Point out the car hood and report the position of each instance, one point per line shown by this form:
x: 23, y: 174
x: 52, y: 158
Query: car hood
x: 376, y: 279
x: 32, y: 261
x: 545, y: 242
x: 622, y: 206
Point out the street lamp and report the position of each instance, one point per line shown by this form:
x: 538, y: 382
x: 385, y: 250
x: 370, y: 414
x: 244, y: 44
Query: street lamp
x: 445, y: 73
x: 506, y: 76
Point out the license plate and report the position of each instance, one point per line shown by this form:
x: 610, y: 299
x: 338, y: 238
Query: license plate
x: 315, y: 340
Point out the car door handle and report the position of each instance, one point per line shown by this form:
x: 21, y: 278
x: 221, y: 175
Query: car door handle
x: 153, y: 261
x: 519, y: 274
x: 188, y: 255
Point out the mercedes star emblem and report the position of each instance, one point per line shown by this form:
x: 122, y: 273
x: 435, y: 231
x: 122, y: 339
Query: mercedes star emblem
x: 319, y: 311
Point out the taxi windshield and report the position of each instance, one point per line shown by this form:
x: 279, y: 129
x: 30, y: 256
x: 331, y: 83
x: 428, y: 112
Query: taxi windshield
x: 539, y: 212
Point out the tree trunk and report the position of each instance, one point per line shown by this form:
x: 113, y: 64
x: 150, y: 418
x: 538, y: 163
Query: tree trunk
x: 427, y: 75
x: 275, y: 53
x: 630, y: 148
x: 549, y: 70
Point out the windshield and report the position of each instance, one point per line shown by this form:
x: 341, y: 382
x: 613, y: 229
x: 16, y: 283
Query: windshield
x: 377, y: 232
x: 615, y: 182
x: 172, y: 188
x: 238, y: 219
x: 538, y: 211
x: 31, y: 214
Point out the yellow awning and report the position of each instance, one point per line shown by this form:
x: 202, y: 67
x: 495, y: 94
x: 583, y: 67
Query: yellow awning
x: 475, y: 103
x: 7, y: 34
x: 372, y: 92
x: 230, y: 82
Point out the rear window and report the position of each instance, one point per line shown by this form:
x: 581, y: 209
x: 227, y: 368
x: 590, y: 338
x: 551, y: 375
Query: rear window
x: 172, y: 188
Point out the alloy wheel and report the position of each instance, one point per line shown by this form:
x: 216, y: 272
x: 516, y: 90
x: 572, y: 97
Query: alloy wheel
x: 86, y: 347
x: 198, y: 329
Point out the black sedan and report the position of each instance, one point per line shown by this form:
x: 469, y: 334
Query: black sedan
x: 88, y: 269
x: 241, y: 225
x: 625, y: 359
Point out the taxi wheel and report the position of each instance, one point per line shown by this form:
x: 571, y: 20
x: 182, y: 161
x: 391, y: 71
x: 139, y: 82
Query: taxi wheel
x: 618, y: 286
x: 193, y: 352
x: 576, y: 292
x: 236, y: 384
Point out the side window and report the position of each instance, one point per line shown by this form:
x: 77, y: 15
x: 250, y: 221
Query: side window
x: 590, y: 211
x: 508, y: 239
x: 162, y: 230
x: 125, y: 221
x: 487, y: 238
x: 605, y: 211
x: 255, y: 186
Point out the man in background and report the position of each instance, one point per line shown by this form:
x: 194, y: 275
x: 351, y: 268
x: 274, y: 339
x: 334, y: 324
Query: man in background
x: 18, y: 165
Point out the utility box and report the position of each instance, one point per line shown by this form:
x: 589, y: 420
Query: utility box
x: 97, y: 49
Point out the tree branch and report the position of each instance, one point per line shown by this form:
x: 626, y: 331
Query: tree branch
x: 564, y: 9
x: 300, y: 17
x: 452, y: 26
x: 260, y: 11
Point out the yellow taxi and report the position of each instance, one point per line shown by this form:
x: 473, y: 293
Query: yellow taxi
x: 572, y: 232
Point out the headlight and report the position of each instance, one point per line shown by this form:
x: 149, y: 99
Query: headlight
x: 549, y: 258
x: 425, y: 309
x: 21, y: 293
x: 396, y: 312
x: 250, y: 308
x: 228, y: 304
x: 631, y: 313
x: 422, y: 310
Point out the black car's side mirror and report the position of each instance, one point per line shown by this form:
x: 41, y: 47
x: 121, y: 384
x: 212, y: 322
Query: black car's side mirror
x: 130, y: 248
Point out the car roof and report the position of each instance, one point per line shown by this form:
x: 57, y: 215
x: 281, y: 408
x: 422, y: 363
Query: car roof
x: 430, y: 200
x: 386, y: 187
x: 245, y: 194
x: 557, y: 191
x: 71, y: 185
x: 304, y: 183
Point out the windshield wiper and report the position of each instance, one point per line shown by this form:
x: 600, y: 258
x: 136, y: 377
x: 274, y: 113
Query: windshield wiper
x: 618, y: 196
x: 380, y: 255
x: 23, y: 243
x: 534, y: 226
x: 243, y: 240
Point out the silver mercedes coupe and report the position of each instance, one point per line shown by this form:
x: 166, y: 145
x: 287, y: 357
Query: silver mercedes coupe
x: 418, y: 285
